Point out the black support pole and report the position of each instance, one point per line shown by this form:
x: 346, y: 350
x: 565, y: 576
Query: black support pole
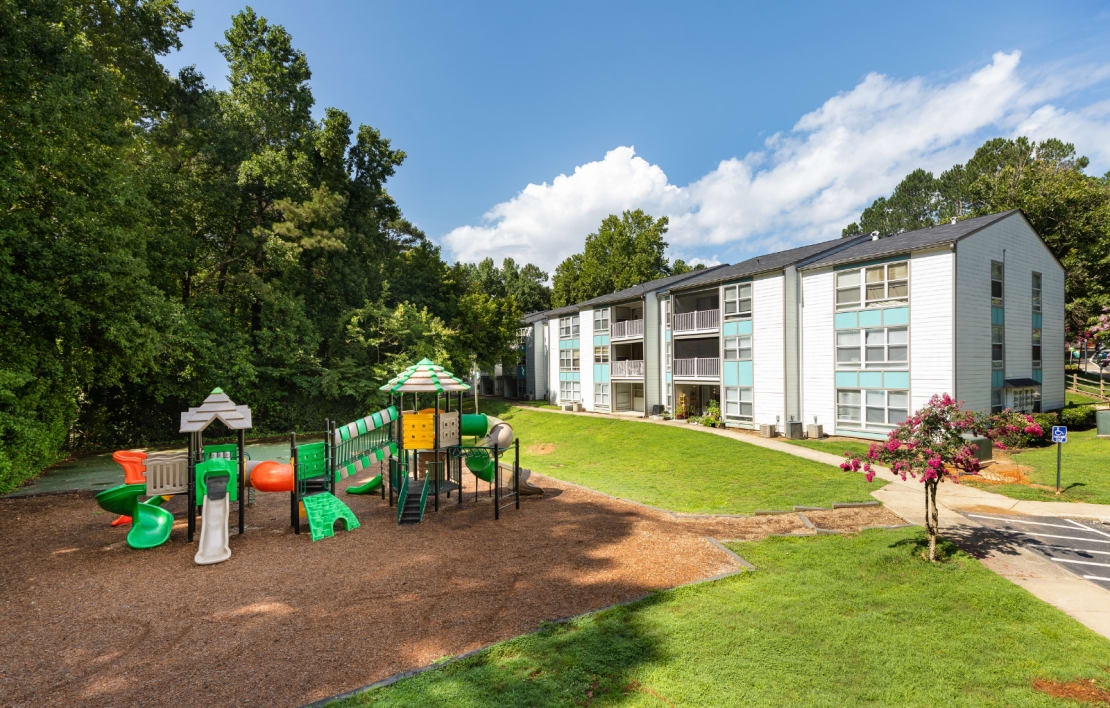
x: 191, y: 482
x: 496, y: 484
x: 516, y: 470
x: 435, y: 455
x: 294, y: 496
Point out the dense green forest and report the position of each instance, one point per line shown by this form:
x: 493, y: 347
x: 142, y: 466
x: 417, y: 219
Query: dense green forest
x: 1046, y: 180
x: 159, y: 238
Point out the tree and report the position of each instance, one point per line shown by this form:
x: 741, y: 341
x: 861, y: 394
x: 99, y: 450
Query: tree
x: 624, y: 251
x: 929, y: 446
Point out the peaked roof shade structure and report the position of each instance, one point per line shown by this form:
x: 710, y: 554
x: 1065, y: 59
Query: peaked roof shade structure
x: 907, y: 241
x: 216, y: 407
x: 425, y: 376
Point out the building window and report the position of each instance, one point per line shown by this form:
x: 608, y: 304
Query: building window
x: 872, y: 285
x: 848, y: 347
x: 998, y: 347
x: 847, y: 289
x: 601, y: 320
x: 1036, y: 347
x: 601, y: 355
x: 601, y: 395
x: 1036, y: 292
x: 872, y: 408
x: 568, y: 327
x: 667, y: 313
x: 738, y: 300
x: 886, y: 347
x: 738, y: 348
x: 738, y: 403
x: 996, y: 283
x: 570, y: 391
x: 568, y: 360
x: 667, y: 355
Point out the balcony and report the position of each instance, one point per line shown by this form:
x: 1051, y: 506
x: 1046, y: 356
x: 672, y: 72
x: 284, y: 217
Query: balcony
x: 696, y: 321
x: 627, y: 329
x: 630, y: 368
x: 698, y: 368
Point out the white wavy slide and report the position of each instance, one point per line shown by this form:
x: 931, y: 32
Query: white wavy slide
x: 214, y: 546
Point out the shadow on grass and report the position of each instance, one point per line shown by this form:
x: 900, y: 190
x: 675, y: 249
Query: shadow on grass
x: 580, y: 662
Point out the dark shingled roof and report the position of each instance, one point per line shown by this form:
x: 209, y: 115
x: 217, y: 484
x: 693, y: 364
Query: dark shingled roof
x: 911, y: 240
x: 767, y: 262
x: 637, y: 291
x: 533, y: 317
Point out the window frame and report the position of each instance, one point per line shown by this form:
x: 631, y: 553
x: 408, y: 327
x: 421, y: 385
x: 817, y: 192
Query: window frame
x: 741, y: 400
x: 864, y: 406
x: 735, y: 296
x: 1037, y: 287
x: 568, y: 327
x: 886, y: 281
x: 886, y: 362
x: 1000, y: 299
x: 574, y: 362
x: 738, y: 343
x: 601, y: 354
x: 567, y: 391
x: 601, y: 314
x: 601, y: 391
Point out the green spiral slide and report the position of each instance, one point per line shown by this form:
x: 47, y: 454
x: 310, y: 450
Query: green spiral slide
x: 150, y: 524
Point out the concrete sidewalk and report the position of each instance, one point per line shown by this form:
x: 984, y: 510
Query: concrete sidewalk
x: 1083, y: 600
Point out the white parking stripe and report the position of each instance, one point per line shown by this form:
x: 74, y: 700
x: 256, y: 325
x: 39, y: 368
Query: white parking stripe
x: 1096, y: 577
x: 1076, y: 550
x: 1069, y: 560
x: 1052, y: 535
x: 1034, y: 523
x: 1088, y: 528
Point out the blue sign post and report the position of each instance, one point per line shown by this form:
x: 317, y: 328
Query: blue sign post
x: 1059, y: 436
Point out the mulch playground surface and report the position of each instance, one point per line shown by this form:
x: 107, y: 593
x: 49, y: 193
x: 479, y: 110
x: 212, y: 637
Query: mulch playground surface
x: 84, y: 618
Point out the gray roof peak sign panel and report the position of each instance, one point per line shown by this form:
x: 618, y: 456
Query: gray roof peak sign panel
x: 907, y: 241
x: 218, y: 406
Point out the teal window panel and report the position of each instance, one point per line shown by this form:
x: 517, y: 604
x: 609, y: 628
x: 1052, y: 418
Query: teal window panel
x: 729, y: 330
x: 998, y: 316
x: 896, y: 316
x: 568, y: 343
x: 1037, y: 319
x: 998, y: 378
x: 570, y: 376
x: 871, y: 318
x: 668, y: 335
x: 870, y: 379
x: 744, y: 327
x: 597, y: 340
x: 668, y: 377
x: 731, y: 373
x: 601, y: 373
x: 1037, y: 374
x: 847, y: 379
x: 847, y: 320
x: 745, y: 376
x: 896, y: 379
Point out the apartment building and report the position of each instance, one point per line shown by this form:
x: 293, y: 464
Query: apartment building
x: 851, y: 334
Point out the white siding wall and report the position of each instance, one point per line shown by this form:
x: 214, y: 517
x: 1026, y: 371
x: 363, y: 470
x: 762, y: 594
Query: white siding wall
x: 817, y: 350
x: 662, y: 325
x: 586, y: 357
x: 553, y: 361
x: 930, y: 325
x: 768, y: 350
x: 1014, y: 243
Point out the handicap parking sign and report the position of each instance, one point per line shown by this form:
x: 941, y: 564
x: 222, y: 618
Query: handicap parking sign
x: 1059, y: 433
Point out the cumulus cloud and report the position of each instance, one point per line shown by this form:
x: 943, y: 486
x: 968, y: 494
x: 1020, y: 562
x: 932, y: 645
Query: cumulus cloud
x: 805, y: 183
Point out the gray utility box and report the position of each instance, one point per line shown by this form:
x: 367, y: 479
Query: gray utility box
x: 985, y: 451
x: 1102, y: 420
x: 767, y: 431
x: 814, y: 431
x: 794, y: 430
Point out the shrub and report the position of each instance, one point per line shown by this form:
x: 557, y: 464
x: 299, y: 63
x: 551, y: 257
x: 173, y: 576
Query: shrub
x: 1078, y: 417
x: 1046, y: 421
x: 1011, y: 429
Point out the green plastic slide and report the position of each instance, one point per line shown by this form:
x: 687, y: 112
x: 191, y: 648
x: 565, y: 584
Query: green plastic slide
x: 150, y: 525
x: 373, y: 485
x: 481, y: 464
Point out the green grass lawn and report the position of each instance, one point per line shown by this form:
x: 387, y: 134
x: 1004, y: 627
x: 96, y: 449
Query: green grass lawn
x: 825, y: 620
x: 1084, y: 471
x: 835, y: 447
x: 673, y: 468
x: 1079, y: 399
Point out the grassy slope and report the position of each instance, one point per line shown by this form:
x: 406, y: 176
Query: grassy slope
x: 674, y: 468
x: 1079, y: 399
x: 1084, y: 473
x: 824, y: 621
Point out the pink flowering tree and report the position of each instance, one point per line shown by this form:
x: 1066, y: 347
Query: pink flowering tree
x: 1012, y: 429
x: 928, y: 447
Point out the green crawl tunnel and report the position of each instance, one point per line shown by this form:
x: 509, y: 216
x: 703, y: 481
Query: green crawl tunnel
x: 480, y: 462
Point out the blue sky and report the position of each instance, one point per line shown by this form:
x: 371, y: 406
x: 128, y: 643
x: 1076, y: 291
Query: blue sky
x: 753, y: 127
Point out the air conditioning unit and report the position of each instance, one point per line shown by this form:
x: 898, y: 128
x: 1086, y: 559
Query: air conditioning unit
x: 767, y: 431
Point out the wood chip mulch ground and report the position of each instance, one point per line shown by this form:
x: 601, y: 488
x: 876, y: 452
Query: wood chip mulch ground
x: 84, y: 618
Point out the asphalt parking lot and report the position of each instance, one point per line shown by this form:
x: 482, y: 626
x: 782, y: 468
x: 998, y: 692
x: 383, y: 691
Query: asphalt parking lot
x: 1082, y: 547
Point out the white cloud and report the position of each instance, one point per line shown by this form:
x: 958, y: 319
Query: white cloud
x: 807, y: 182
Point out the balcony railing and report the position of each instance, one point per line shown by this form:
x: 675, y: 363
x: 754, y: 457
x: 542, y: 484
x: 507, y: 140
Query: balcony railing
x: 699, y: 368
x: 696, y: 321
x: 627, y: 369
x: 626, y: 329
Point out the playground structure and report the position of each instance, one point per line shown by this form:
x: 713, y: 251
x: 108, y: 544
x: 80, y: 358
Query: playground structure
x: 431, y: 452
x: 422, y: 452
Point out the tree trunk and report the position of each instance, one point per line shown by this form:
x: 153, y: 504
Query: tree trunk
x: 932, y: 520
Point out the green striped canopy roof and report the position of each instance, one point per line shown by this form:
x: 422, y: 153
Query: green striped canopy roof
x: 425, y: 376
